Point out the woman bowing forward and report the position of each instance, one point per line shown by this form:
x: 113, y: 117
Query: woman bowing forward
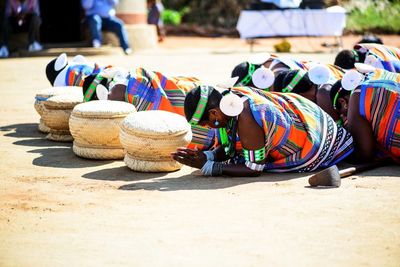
x: 262, y: 131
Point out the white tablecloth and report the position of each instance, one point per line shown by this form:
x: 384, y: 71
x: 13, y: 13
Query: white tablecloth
x: 291, y: 22
x: 284, y: 3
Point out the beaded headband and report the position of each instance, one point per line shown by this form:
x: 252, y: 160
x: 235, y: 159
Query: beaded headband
x: 356, y: 57
x: 336, y: 97
x: 296, y: 79
x: 247, y: 78
x: 201, y: 105
x: 92, y: 88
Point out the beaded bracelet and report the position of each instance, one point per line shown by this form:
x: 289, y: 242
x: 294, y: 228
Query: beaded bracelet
x: 254, y: 155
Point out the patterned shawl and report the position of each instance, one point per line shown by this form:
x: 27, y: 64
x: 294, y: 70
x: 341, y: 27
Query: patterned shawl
x: 150, y: 90
x: 299, y: 136
x: 388, y: 56
x: 380, y: 105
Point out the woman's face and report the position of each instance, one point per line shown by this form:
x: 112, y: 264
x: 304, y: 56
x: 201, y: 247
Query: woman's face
x: 344, y: 105
x: 216, y: 119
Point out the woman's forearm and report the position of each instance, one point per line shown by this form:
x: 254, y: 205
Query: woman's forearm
x: 239, y: 170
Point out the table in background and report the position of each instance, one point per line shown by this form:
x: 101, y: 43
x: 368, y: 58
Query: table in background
x: 292, y: 22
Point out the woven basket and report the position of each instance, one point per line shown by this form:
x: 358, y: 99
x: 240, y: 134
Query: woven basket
x: 150, y: 137
x: 144, y: 165
x: 95, y: 127
x: 43, y: 127
x: 57, y: 110
x: 45, y: 94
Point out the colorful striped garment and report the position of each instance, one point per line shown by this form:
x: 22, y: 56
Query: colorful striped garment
x: 388, y: 56
x: 299, y: 136
x: 77, y: 72
x: 150, y: 90
x: 380, y: 105
x: 336, y: 73
x: 289, y: 63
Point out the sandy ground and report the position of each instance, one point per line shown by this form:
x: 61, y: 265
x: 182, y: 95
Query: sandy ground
x: 60, y: 210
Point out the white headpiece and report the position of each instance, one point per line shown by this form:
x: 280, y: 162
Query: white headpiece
x: 351, y: 79
x: 319, y: 74
x: 262, y: 77
x: 231, y: 104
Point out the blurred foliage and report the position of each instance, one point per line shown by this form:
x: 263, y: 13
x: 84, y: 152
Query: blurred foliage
x: 378, y: 16
x: 283, y: 46
x: 218, y: 13
x: 173, y: 17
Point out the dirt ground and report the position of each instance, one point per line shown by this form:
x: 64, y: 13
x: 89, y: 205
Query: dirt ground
x: 60, y: 210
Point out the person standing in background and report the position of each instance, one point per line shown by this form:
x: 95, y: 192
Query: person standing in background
x: 155, y: 9
x: 100, y: 15
x: 21, y: 16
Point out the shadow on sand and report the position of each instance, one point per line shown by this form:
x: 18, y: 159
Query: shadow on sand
x: 122, y: 173
x: 195, y: 181
x: 30, y: 131
x: 64, y: 157
x: 52, y: 154
x: 23, y: 130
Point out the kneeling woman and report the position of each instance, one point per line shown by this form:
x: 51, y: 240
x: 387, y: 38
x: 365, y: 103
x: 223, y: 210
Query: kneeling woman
x: 370, y: 106
x: 262, y: 131
x: 147, y: 90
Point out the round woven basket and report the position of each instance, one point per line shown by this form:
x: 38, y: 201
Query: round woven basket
x: 59, y: 136
x: 57, y: 110
x: 150, y: 137
x: 45, y: 94
x: 165, y: 164
x: 95, y: 127
x: 43, y: 127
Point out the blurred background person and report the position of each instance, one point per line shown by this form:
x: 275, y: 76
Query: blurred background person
x: 100, y: 15
x: 155, y: 8
x: 21, y: 16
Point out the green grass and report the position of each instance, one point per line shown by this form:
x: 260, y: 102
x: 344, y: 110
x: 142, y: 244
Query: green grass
x: 374, y: 16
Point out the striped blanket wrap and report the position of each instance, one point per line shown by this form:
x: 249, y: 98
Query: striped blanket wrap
x: 291, y: 64
x: 336, y: 73
x: 150, y: 90
x: 380, y: 105
x: 388, y: 56
x: 76, y: 73
x: 299, y: 136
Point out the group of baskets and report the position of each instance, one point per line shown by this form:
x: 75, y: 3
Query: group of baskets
x: 106, y: 130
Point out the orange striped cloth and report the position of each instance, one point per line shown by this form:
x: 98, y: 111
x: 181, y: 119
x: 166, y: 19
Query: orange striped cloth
x: 380, y: 105
x: 77, y: 72
x: 388, y: 56
x: 299, y: 136
x: 151, y: 90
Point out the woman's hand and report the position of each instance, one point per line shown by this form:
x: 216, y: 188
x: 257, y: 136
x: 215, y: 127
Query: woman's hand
x: 191, y: 157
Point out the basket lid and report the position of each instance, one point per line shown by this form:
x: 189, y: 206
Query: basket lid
x: 103, y: 109
x: 58, y: 90
x: 155, y: 123
x: 64, y: 101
